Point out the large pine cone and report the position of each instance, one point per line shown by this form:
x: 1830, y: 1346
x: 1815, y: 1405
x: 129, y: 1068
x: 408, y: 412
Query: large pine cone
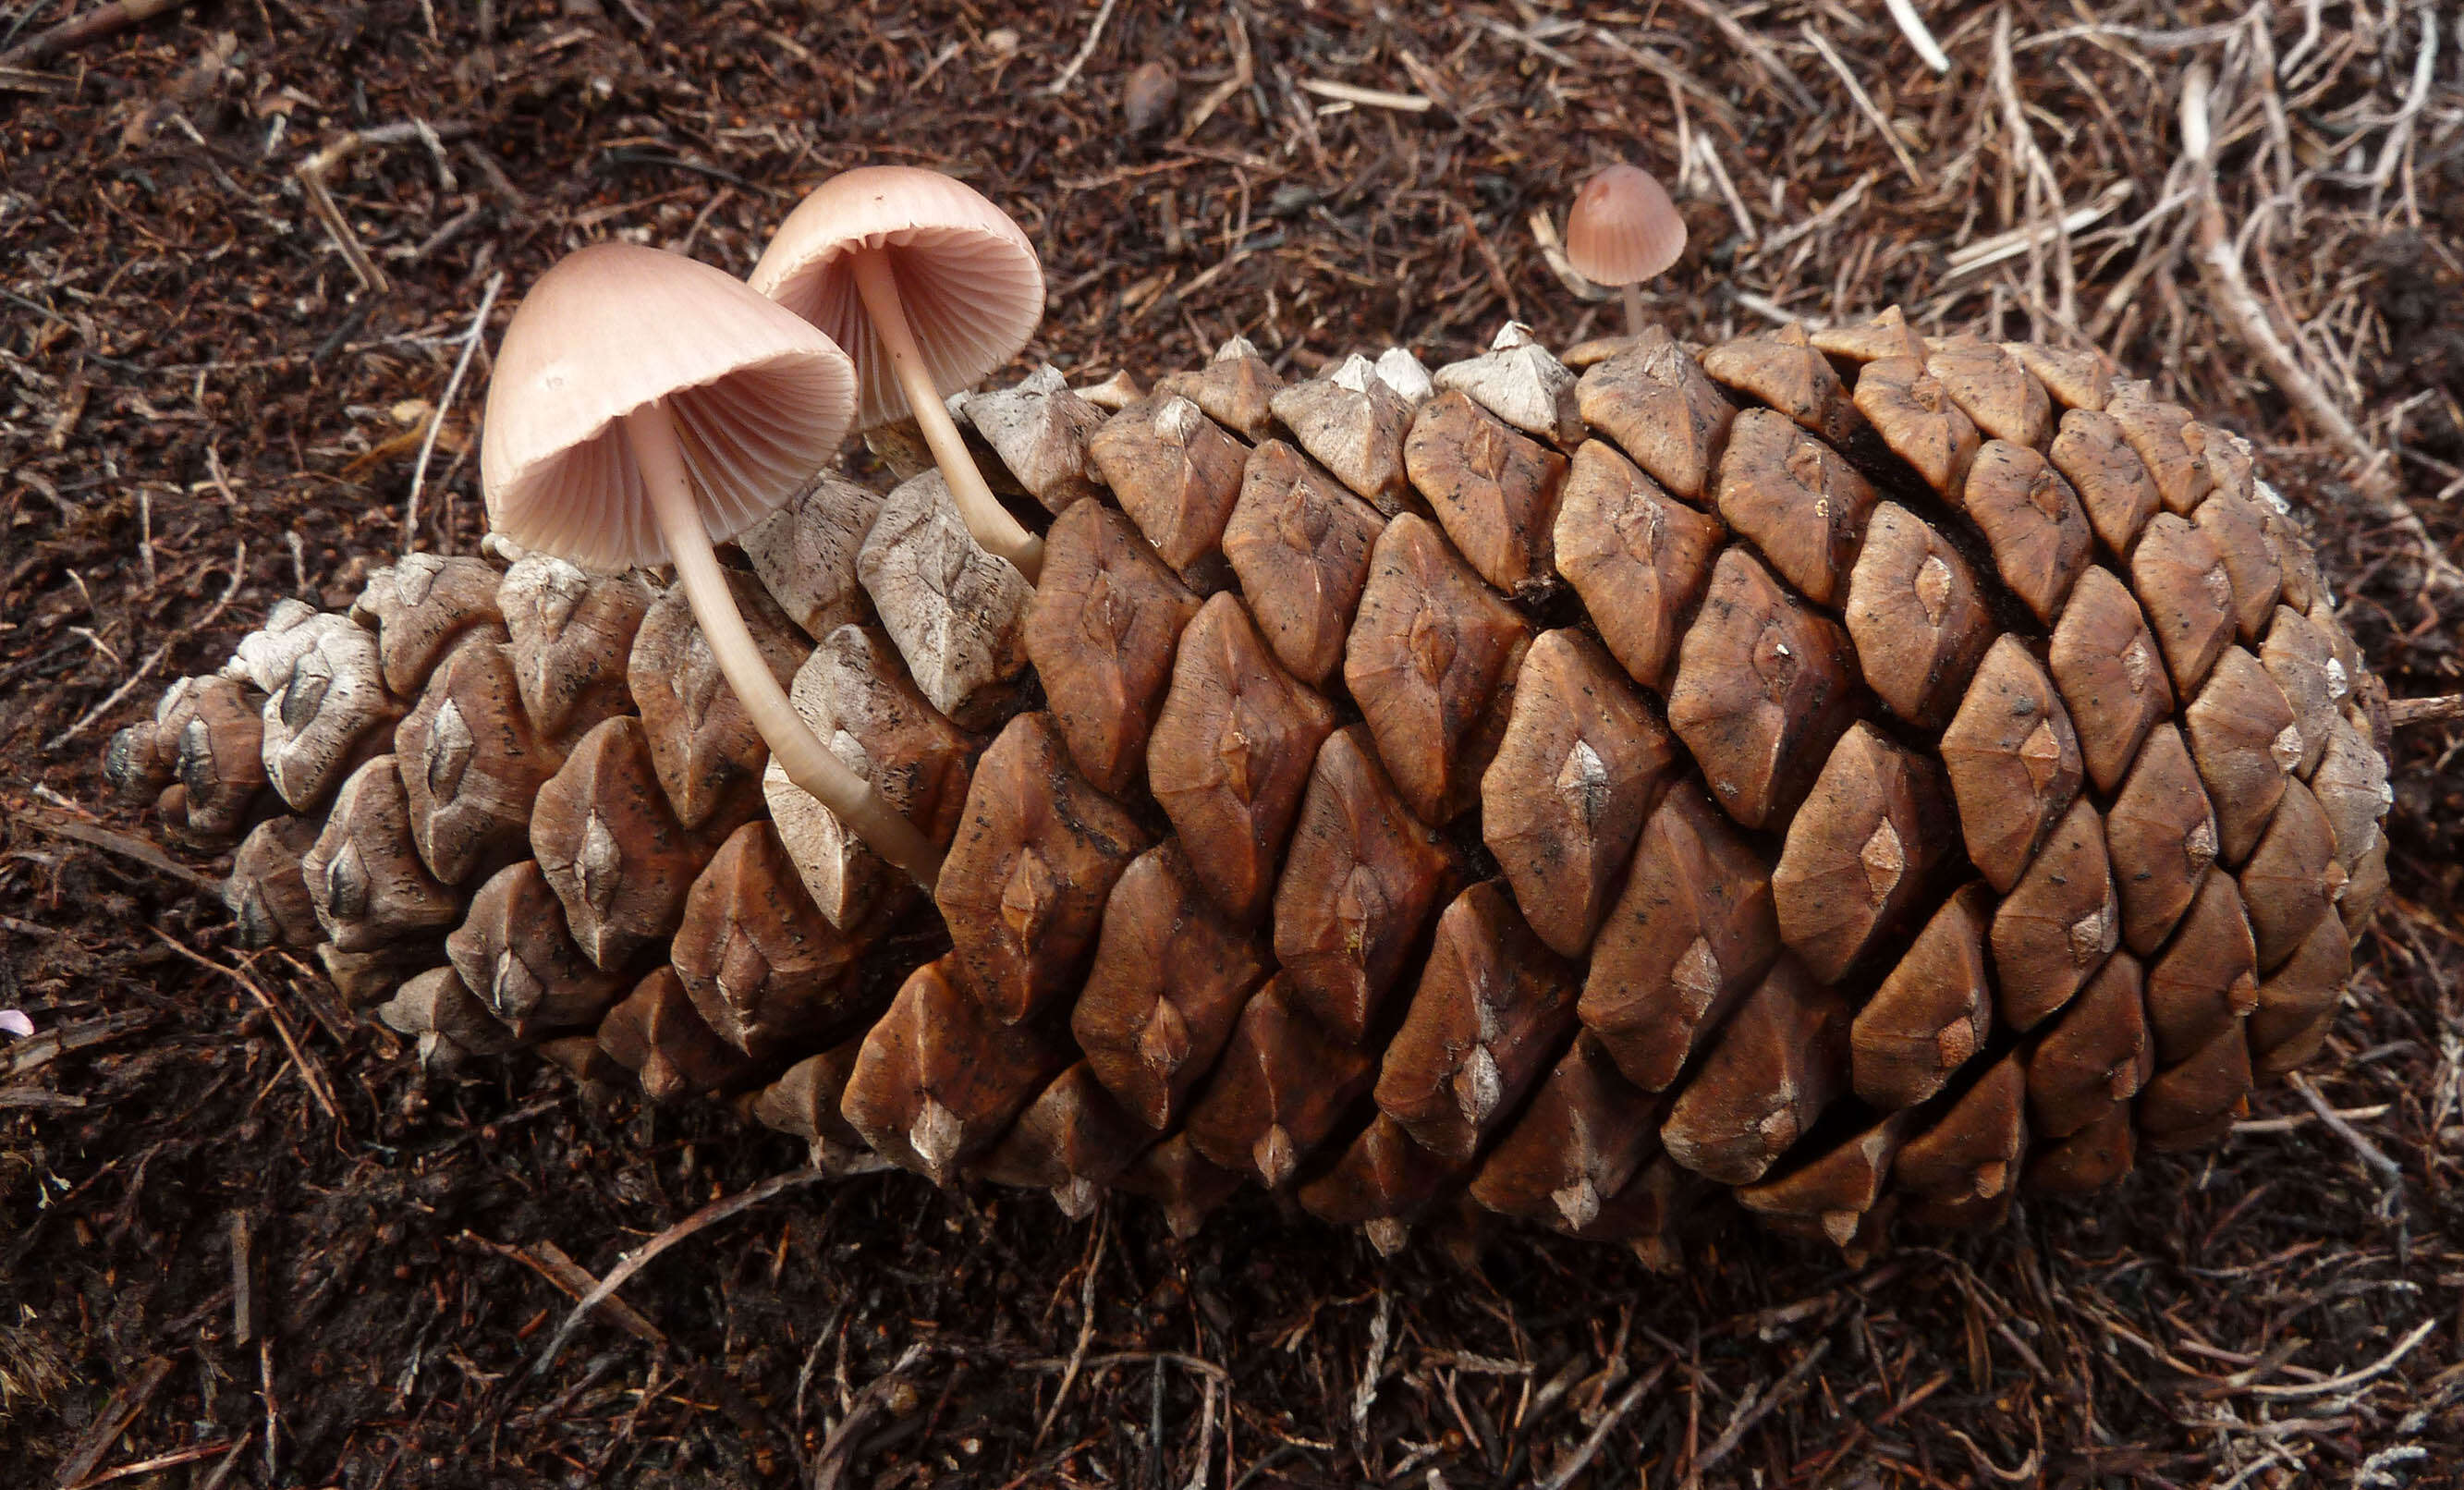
x: 1860, y: 769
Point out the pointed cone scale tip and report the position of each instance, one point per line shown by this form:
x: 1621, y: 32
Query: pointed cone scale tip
x: 968, y: 279
x: 759, y: 397
x: 1623, y: 229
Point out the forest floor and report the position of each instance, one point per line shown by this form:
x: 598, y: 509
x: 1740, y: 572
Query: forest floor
x: 243, y: 1243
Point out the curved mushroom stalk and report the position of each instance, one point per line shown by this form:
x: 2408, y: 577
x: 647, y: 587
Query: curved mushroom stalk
x: 645, y: 407
x: 798, y: 752
x: 986, y: 517
x: 929, y: 286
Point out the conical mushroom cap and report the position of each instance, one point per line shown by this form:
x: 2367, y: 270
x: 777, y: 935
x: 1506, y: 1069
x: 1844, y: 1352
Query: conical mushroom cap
x: 759, y: 397
x: 968, y: 278
x: 1624, y: 229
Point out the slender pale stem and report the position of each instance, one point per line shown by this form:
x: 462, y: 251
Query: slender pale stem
x: 798, y: 752
x: 1633, y: 309
x: 986, y: 518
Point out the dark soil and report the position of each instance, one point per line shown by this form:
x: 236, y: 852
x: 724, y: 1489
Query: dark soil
x: 251, y: 1267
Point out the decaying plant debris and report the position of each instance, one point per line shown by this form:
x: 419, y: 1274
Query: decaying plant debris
x: 261, y: 1253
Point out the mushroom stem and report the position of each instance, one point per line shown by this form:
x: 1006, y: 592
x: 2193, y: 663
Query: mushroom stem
x: 991, y: 523
x: 800, y: 753
x: 1633, y: 309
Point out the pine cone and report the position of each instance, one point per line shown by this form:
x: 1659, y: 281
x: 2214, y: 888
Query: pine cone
x: 1866, y: 772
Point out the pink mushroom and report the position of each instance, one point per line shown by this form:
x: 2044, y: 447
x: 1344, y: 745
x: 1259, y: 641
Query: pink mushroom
x: 929, y: 287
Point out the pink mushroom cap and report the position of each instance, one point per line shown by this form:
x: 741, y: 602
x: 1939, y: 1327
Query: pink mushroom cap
x: 968, y: 279
x: 1623, y: 229
x: 759, y: 397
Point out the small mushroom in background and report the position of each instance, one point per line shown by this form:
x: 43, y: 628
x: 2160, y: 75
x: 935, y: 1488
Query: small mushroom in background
x: 645, y: 407
x: 928, y: 286
x: 1623, y: 230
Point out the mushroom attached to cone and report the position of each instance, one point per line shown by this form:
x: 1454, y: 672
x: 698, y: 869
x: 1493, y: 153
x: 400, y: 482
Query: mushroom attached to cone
x: 1623, y: 230
x: 929, y: 287
x: 646, y: 406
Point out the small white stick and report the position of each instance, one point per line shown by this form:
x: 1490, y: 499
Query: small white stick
x: 651, y: 434
x: 1857, y: 95
x: 1913, y: 27
x: 1367, y: 98
x: 1069, y: 74
x: 436, y: 416
x: 154, y: 658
